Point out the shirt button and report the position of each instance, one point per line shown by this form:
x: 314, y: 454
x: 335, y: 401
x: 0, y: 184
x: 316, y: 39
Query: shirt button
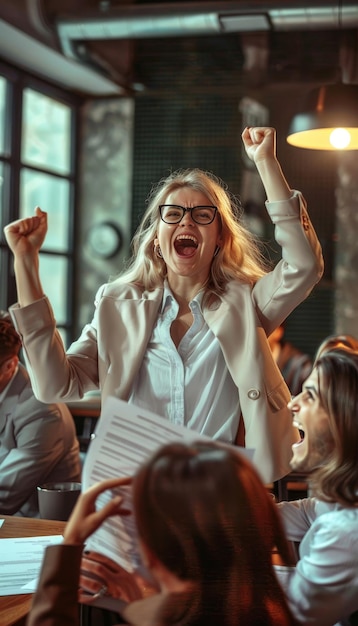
x: 253, y: 394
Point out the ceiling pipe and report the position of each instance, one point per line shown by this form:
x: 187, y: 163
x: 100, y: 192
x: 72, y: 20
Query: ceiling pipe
x: 212, y: 18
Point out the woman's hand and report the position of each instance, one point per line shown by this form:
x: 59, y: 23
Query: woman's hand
x: 26, y: 236
x: 85, y: 519
x: 259, y: 142
x: 260, y: 146
x: 101, y: 576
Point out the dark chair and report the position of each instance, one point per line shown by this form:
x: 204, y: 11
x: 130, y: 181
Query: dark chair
x: 293, y: 483
x: 94, y: 616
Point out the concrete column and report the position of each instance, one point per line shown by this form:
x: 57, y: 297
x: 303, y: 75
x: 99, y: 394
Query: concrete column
x: 346, y: 257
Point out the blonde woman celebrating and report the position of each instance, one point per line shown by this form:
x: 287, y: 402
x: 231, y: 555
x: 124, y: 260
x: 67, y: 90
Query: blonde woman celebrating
x: 183, y: 331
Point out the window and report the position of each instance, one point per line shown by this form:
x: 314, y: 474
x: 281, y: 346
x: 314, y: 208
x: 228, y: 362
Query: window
x: 37, y: 168
x: 3, y: 87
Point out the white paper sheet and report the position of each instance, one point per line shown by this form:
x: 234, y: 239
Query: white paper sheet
x: 21, y: 561
x: 125, y: 437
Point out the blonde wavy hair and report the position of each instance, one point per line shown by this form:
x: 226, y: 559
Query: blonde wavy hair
x: 240, y: 256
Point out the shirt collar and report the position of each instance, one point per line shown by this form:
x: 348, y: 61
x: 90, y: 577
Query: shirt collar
x: 168, y: 297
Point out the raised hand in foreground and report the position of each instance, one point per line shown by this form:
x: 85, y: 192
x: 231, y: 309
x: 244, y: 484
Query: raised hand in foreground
x: 85, y: 519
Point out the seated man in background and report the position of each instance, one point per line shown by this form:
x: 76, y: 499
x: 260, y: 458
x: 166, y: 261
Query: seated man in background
x: 294, y: 365
x: 323, y: 588
x: 38, y: 441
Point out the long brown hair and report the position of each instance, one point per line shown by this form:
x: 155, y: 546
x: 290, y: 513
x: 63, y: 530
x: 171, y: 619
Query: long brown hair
x: 204, y: 512
x: 337, y: 373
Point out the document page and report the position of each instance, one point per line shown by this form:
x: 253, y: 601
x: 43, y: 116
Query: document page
x: 126, y: 436
x: 20, y: 563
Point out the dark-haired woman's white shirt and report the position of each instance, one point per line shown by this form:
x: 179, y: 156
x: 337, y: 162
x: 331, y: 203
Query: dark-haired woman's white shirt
x: 323, y: 588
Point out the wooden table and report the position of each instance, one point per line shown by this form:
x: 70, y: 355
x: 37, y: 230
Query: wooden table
x: 14, y: 609
x: 90, y: 406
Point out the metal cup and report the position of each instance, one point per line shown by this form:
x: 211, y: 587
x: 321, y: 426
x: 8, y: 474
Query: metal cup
x: 56, y: 500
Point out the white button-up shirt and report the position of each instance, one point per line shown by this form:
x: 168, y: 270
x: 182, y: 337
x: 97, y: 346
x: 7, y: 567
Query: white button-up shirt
x: 323, y: 588
x: 189, y: 385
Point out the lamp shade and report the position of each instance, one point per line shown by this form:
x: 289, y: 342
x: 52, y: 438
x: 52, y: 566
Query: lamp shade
x: 328, y: 119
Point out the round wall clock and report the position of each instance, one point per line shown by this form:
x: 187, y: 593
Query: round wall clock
x: 105, y: 239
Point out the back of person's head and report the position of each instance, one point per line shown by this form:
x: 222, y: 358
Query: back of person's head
x: 10, y: 342
x: 337, y: 375
x: 203, y: 511
x: 337, y: 341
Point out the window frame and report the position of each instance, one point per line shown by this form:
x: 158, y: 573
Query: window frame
x: 18, y: 81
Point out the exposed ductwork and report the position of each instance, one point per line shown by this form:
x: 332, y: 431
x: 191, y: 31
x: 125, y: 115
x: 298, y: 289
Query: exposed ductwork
x: 76, y: 49
x: 189, y: 19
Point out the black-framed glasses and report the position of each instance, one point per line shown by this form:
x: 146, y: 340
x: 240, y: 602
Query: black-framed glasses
x: 173, y: 213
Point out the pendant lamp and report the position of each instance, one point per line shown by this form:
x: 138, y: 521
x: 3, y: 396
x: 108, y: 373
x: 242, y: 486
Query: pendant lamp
x: 328, y: 119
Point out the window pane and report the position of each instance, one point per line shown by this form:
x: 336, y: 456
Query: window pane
x: 54, y: 278
x: 46, y: 132
x: 3, y: 85
x: 52, y: 195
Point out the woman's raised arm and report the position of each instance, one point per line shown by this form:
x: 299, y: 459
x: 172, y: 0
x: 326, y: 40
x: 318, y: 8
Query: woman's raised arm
x: 25, y: 238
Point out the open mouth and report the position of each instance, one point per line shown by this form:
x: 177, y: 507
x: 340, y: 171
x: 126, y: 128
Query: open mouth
x: 302, y: 433
x: 186, y: 245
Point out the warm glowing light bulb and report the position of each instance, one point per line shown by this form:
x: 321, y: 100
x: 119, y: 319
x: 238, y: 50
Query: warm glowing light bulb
x: 340, y: 138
